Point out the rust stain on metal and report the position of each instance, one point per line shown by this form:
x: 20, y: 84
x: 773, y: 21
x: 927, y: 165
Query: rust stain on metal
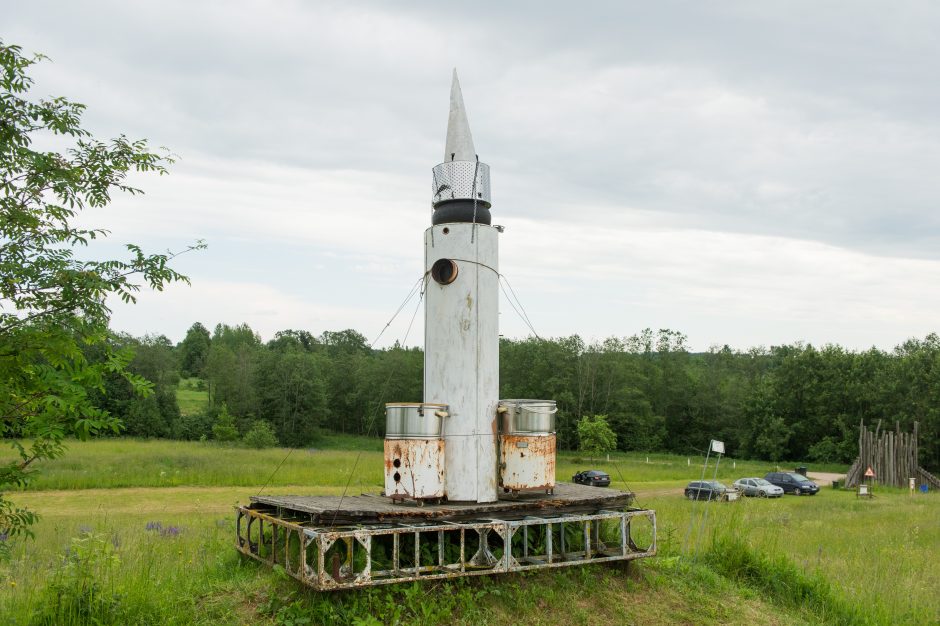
x: 527, y: 462
x: 327, y: 558
x: 414, y: 468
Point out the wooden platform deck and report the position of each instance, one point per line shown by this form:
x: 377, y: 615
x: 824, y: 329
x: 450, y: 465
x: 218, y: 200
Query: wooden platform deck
x: 568, y: 498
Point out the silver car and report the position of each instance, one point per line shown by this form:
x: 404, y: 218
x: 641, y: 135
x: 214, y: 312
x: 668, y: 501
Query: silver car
x: 758, y: 487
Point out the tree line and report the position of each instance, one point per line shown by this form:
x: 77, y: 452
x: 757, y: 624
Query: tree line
x: 784, y: 402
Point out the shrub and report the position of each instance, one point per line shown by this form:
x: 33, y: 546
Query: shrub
x: 595, y: 435
x: 224, y: 427
x: 261, y: 435
x: 193, y: 426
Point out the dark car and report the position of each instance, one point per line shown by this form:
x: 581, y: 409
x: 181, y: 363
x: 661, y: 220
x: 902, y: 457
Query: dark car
x: 595, y: 478
x: 794, y: 483
x: 709, y: 490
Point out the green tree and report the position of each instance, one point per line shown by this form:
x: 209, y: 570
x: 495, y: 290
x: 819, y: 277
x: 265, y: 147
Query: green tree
x: 595, y: 436
x: 194, y: 350
x: 53, y: 303
x: 348, y: 352
x: 291, y: 387
x: 224, y: 427
x: 143, y: 416
x: 771, y: 440
x: 231, y: 368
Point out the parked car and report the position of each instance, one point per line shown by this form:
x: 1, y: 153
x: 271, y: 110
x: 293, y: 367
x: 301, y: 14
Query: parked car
x: 709, y: 490
x: 794, y: 483
x: 595, y: 478
x: 758, y: 487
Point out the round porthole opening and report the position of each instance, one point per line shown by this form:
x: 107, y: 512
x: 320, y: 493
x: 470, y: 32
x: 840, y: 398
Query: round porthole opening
x: 444, y: 271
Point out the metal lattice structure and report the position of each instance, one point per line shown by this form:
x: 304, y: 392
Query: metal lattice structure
x: 364, y: 555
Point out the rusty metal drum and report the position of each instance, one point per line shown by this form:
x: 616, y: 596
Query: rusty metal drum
x: 527, y: 445
x: 414, y: 451
x: 414, y: 420
x: 527, y: 463
x: 528, y: 417
x: 414, y: 469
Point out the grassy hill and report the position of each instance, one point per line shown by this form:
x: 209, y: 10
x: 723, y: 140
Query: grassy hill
x: 142, y: 532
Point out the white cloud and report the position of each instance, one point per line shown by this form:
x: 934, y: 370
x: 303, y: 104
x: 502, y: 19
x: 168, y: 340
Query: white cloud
x: 265, y: 309
x: 744, y: 173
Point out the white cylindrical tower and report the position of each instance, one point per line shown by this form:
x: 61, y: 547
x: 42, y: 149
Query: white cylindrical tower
x: 461, y: 337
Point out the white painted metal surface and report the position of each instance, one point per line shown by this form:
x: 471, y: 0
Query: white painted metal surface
x: 459, y: 144
x: 461, y: 354
x: 414, y: 468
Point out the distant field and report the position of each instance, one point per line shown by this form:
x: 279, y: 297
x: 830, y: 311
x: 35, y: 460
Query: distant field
x: 190, y: 398
x: 127, y: 462
x: 99, y: 500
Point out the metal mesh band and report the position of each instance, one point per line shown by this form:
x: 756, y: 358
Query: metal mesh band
x: 454, y: 181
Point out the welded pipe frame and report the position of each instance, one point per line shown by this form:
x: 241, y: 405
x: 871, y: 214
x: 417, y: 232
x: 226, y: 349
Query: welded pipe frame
x: 461, y: 354
x: 268, y: 537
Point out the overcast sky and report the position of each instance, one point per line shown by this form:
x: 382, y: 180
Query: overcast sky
x: 746, y: 173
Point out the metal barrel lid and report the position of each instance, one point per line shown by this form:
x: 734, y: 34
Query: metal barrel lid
x: 414, y: 420
x: 529, y: 416
x: 427, y: 404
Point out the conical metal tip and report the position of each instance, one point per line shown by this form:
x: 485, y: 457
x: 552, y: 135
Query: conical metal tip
x: 459, y: 144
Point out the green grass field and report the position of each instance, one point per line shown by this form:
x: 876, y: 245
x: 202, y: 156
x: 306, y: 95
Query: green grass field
x: 790, y: 561
x: 190, y: 397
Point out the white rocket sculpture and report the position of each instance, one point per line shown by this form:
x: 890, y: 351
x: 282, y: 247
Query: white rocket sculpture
x: 461, y: 336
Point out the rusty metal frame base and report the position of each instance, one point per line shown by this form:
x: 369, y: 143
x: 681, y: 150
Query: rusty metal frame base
x: 361, y: 556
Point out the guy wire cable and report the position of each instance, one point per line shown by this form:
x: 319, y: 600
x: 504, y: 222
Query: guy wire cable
x: 519, y: 302
x: 400, y: 307
x: 522, y: 317
x: 394, y: 315
x: 624, y: 481
x: 379, y: 405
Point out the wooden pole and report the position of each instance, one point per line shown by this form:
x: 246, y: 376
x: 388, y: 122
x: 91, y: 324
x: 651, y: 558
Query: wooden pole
x: 889, y: 462
x: 902, y: 457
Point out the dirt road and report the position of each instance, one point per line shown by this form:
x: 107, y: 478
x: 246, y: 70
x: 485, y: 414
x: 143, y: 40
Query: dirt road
x: 824, y: 479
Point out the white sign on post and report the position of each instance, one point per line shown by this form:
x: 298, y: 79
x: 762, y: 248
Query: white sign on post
x: 718, y: 447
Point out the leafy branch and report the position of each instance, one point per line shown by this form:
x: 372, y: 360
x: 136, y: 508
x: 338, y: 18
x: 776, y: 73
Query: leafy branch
x: 54, y: 306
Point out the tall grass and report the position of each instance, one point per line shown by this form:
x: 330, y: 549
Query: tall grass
x: 124, y: 462
x: 129, y: 569
x: 880, y: 554
x: 778, y: 577
x: 110, y: 463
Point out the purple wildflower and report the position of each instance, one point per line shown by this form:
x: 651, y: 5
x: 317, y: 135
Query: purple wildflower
x: 4, y: 536
x: 171, y: 531
x: 84, y: 530
x: 154, y: 526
